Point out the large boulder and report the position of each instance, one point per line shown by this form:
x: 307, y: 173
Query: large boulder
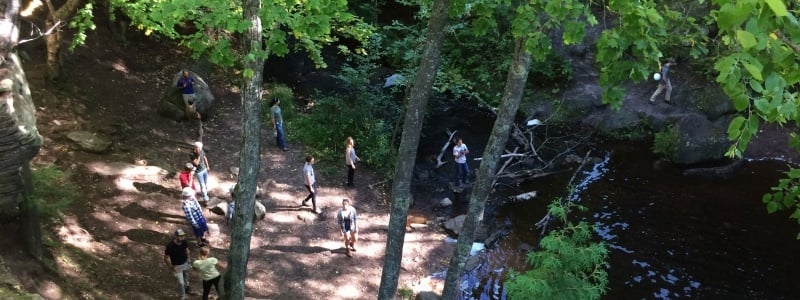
x: 19, y: 139
x: 455, y: 224
x: 700, y: 140
x: 171, y: 103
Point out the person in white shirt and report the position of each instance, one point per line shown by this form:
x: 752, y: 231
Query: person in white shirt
x: 460, y: 152
x: 350, y: 158
x: 310, y: 181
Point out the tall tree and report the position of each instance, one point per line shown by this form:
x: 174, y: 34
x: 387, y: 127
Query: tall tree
x: 239, y: 251
x: 534, y: 20
x: 416, y: 106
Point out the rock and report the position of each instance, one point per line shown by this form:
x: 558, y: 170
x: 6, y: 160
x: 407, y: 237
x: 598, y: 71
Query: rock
x: 213, y: 229
x: 220, y: 208
x: 700, y: 140
x: 427, y: 295
x: 89, y: 142
x: 721, y: 172
x: 446, y: 202
x: 234, y: 171
x: 261, y: 211
x: 171, y: 103
x: 455, y: 224
x: 472, y: 262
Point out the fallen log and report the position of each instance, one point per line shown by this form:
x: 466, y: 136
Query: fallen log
x: 446, y: 145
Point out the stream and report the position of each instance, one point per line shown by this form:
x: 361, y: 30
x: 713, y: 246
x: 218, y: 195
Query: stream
x: 669, y: 236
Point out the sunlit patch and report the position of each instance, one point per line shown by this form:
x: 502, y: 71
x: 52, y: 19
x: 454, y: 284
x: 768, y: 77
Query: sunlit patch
x: 349, y: 291
x: 73, y: 234
x: 32, y: 6
x: 49, y: 290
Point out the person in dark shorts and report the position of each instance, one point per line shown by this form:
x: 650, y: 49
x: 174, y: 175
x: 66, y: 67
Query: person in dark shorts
x: 348, y: 224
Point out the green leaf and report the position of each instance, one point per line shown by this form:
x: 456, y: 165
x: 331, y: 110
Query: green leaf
x: 746, y: 39
x: 248, y: 73
x: 756, y: 86
x: 778, y: 7
x: 772, y: 207
x: 754, y: 70
x: 735, y: 127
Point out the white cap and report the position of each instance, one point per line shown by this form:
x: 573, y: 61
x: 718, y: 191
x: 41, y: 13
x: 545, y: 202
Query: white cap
x: 187, y: 192
x: 198, y: 144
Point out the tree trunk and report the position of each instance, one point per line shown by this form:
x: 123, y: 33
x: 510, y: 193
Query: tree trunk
x: 19, y: 139
x: 53, y: 45
x: 415, y: 113
x: 515, y: 85
x: 249, y: 159
x: 53, y: 41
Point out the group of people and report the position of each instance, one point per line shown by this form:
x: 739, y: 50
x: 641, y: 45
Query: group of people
x: 177, y: 259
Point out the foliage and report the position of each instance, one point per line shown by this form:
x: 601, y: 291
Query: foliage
x: 288, y: 102
x: 665, y: 142
x: 52, y: 191
x: 364, y: 111
x: 633, y: 48
x: 760, y: 72
x: 82, y: 22
x: 210, y: 27
x: 785, y: 196
x: 567, y: 266
x: 405, y: 294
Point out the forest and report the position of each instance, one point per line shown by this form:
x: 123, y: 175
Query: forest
x: 88, y: 217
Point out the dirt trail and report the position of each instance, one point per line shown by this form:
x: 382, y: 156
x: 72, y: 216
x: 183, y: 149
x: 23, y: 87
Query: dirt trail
x: 109, y: 244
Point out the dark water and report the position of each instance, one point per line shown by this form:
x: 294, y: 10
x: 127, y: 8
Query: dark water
x: 669, y: 236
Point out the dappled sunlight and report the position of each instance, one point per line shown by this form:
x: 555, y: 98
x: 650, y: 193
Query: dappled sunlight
x: 280, y: 194
x: 72, y: 233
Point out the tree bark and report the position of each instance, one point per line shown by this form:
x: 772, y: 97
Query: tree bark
x: 249, y: 159
x: 415, y: 113
x: 515, y: 85
x: 53, y: 41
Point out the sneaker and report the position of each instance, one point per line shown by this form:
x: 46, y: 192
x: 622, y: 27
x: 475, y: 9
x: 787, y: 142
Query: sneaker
x: 317, y: 211
x: 285, y: 149
x: 304, y: 203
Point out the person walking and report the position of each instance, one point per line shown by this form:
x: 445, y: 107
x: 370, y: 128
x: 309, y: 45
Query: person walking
x: 350, y: 159
x: 348, y: 225
x: 194, y: 215
x: 311, y: 183
x: 186, y: 177
x: 176, y: 257
x: 277, y: 123
x: 460, y: 152
x: 186, y: 85
x: 202, y: 167
x: 208, y: 271
x: 664, y: 83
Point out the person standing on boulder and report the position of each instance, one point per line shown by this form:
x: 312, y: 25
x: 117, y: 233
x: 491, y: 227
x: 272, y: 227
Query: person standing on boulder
x: 350, y: 159
x: 664, y: 83
x: 460, y: 152
x: 186, y: 85
x: 194, y: 215
x: 346, y: 216
x: 277, y: 123
x: 176, y: 257
x: 311, y: 183
x: 200, y: 162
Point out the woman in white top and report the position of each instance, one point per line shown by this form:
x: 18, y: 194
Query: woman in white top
x: 346, y: 216
x: 350, y: 159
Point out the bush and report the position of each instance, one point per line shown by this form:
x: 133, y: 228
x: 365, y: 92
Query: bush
x: 52, y: 191
x: 568, y: 265
x: 665, y: 143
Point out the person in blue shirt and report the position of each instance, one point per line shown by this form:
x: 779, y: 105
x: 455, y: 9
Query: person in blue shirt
x: 664, y: 83
x: 186, y: 85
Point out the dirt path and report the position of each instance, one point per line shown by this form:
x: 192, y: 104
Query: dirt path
x: 109, y: 244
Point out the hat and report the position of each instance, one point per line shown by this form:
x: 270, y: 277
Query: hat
x: 179, y: 232
x: 187, y: 192
x: 189, y: 166
x: 198, y: 144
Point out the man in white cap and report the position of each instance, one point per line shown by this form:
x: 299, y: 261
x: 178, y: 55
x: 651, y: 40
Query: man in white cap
x: 194, y: 214
x: 200, y: 162
x: 176, y: 257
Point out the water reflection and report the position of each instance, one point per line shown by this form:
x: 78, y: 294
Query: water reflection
x: 670, y: 236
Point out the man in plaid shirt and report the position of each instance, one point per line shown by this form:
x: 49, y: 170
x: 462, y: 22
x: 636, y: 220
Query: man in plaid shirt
x: 194, y: 214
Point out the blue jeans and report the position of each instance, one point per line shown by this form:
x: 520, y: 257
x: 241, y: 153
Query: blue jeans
x: 202, y: 179
x: 280, y: 136
x: 462, y: 171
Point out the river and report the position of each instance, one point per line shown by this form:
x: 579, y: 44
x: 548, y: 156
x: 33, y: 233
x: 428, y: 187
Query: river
x: 669, y: 236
